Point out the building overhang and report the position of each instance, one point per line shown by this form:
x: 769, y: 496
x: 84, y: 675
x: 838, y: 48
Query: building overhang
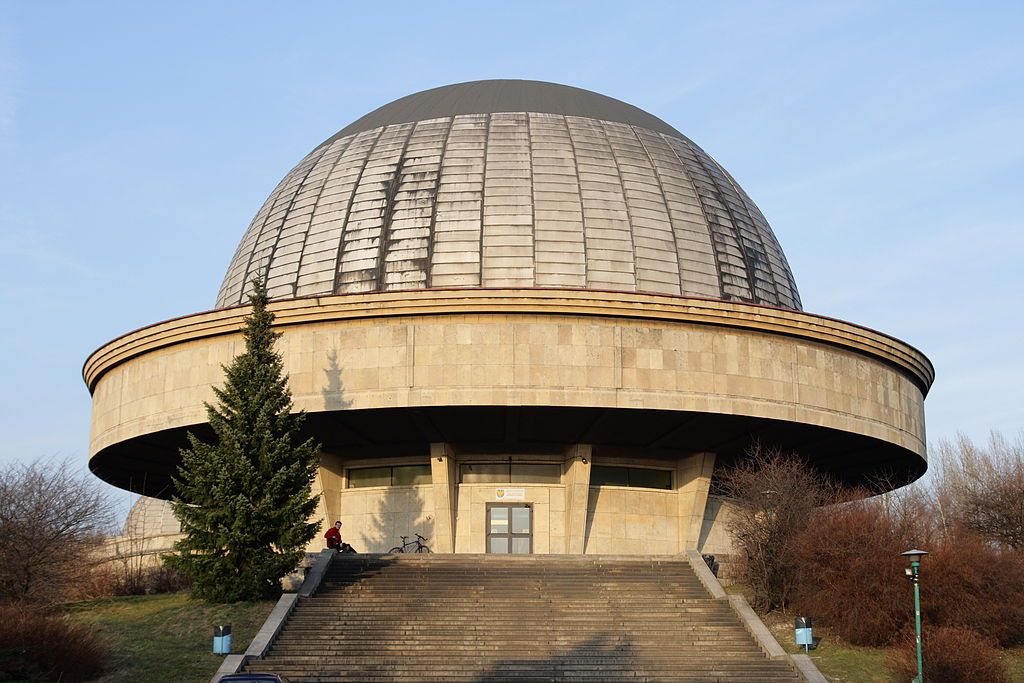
x: 385, y: 373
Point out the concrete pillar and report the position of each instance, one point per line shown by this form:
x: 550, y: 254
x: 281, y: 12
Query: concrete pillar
x: 577, y: 489
x: 318, y: 543
x: 445, y: 481
x: 330, y: 482
x: 693, y: 479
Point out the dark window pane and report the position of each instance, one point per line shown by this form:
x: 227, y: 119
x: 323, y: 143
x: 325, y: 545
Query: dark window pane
x: 536, y: 474
x: 407, y: 475
x: 650, y: 479
x: 485, y: 473
x: 608, y: 476
x: 369, y: 476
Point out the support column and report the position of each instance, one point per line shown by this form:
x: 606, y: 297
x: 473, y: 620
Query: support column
x: 445, y: 480
x: 316, y: 544
x: 577, y: 490
x: 329, y: 483
x: 693, y: 479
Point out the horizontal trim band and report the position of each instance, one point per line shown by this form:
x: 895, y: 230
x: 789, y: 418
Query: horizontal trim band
x: 523, y: 301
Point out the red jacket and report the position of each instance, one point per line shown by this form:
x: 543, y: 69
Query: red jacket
x: 333, y: 537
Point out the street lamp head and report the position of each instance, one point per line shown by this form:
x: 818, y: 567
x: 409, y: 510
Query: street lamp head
x: 914, y: 555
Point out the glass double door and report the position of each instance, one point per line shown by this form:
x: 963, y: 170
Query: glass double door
x: 509, y: 529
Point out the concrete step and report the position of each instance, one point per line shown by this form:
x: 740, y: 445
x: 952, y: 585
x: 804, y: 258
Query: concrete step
x: 523, y: 618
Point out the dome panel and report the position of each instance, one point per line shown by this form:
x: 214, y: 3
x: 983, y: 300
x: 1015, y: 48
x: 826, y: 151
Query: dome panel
x: 511, y: 199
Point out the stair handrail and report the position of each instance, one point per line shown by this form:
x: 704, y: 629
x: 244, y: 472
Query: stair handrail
x: 275, y: 621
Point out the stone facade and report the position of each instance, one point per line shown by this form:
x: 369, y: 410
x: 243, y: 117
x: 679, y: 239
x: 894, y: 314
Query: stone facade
x: 676, y: 354
x: 439, y: 349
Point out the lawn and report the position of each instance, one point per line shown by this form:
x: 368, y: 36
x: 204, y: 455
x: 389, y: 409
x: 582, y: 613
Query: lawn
x: 843, y: 663
x: 167, y: 638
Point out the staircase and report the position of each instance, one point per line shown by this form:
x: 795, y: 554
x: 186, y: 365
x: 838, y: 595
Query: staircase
x: 515, y: 618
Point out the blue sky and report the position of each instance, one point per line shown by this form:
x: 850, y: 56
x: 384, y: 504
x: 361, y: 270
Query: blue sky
x: 883, y: 141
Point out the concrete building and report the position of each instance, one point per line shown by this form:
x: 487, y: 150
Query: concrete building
x: 523, y: 318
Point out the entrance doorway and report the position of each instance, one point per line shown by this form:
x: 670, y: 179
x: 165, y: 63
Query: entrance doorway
x: 509, y: 528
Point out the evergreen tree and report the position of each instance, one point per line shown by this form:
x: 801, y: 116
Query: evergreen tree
x: 244, y: 501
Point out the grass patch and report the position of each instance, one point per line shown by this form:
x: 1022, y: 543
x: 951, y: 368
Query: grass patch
x: 837, y: 661
x: 166, y: 638
x: 845, y: 663
x: 1014, y: 660
x: 840, y: 662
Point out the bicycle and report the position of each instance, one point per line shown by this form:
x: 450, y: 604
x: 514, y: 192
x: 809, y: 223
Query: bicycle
x: 420, y: 546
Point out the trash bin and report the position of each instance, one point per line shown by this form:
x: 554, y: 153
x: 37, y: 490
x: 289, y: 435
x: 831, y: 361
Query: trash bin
x: 804, y: 634
x: 712, y: 563
x: 222, y: 639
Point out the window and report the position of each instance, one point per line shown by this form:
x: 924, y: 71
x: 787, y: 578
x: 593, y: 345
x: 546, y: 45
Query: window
x: 510, y: 473
x: 635, y: 477
x: 398, y: 475
x: 485, y: 473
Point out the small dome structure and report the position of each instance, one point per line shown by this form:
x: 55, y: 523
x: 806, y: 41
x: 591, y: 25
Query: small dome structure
x: 521, y: 184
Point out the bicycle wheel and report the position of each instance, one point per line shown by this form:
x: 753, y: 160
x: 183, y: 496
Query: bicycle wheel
x: 424, y: 549
x: 396, y: 549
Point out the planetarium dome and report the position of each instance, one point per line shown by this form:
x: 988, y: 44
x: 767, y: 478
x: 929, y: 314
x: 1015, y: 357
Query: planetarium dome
x: 510, y: 184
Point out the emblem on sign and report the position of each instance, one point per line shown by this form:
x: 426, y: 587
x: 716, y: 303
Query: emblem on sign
x: 510, y: 494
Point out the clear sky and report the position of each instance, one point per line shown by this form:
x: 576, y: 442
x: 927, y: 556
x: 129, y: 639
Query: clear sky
x: 883, y: 141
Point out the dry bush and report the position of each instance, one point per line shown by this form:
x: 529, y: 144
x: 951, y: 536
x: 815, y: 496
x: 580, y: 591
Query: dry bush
x: 951, y: 655
x: 148, y: 581
x: 970, y: 583
x: 775, y: 495
x: 850, y: 573
x: 38, y: 647
x: 97, y: 584
x: 982, y: 488
x: 53, y: 519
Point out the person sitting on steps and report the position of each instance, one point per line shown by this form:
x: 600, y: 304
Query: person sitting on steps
x: 334, y: 541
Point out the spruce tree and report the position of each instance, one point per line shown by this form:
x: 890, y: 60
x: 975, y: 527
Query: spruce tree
x: 244, y: 501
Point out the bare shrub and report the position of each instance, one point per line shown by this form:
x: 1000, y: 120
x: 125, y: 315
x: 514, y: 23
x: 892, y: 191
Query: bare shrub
x: 38, y: 647
x: 147, y: 581
x: 127, y: 568
x: 53, y: 518
x: 982, y: 488
x: 136, y: 566
x: 775, y: 495
x: 969, y: 583
x: 951, y: 655
x: 850, y: 573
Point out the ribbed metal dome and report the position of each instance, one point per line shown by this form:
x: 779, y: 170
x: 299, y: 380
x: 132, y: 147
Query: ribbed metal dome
x: 510, y: 184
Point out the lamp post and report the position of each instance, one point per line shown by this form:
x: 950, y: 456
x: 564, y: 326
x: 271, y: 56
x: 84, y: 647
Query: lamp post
x: 913, y: 573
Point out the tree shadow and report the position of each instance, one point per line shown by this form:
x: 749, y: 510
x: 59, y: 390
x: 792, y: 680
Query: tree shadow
x: 334, y: 390
x: 617, y: 650
x: 400, y: 511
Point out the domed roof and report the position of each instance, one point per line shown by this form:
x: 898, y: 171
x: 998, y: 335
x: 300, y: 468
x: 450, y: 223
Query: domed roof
x: 512, y: 184
x: 488, y: 97
x: 151, y: 517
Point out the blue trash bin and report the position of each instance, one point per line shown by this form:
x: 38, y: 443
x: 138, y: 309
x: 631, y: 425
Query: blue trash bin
x: 804, y: 632
x: 222, y: 639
